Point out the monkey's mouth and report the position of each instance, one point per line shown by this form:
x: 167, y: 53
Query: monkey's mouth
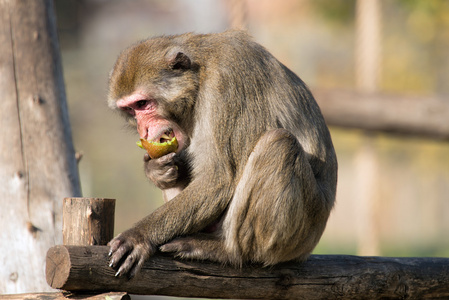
x: 164, y: 144
x: 168, y: 135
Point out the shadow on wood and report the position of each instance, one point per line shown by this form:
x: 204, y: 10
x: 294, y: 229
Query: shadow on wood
x: 85, y: 268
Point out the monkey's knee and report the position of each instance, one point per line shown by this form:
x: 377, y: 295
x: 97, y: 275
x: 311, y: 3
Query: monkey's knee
x: 275, y: 140
x: 262, y: 220
x: 276, y: 155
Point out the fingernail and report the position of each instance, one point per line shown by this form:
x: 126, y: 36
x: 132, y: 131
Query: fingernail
x: 117, y: 274
x: 111, y: 263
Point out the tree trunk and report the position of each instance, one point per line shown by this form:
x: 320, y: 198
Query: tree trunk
x: 37, y: 160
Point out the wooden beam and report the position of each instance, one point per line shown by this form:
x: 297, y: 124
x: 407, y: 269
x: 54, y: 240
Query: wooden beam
x: 77, y: 268
x: 411, y: 115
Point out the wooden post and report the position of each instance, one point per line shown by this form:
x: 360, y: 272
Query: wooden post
x: 368, y: 44
x: 368, y: 53
x: 37, y: 157
x: 88, y: 221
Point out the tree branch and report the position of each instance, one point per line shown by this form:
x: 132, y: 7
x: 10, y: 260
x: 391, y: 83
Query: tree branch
x: 415, y: 115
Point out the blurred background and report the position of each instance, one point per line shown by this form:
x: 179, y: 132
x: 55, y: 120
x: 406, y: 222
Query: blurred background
x: 393, y: 191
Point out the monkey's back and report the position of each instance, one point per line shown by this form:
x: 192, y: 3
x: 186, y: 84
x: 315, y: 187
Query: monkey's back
x: 252, y: 92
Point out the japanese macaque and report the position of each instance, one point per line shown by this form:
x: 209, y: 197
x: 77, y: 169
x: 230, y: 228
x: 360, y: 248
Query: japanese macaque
x: 253, y: 179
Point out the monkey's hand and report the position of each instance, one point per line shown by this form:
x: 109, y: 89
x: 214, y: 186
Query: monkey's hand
x: 165, y: 172
x: 129, y: 250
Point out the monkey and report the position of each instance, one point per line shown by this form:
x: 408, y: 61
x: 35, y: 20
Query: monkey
x: 253, y: 180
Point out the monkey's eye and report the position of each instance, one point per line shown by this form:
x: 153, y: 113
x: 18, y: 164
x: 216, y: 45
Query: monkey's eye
x: 146, y: 105
x: 141, y: 103
x: 132, y: 107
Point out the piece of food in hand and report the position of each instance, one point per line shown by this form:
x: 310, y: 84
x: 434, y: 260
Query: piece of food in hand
x: 160, y: 148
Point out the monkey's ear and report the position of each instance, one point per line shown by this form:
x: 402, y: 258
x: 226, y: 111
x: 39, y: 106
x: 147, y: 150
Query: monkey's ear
x: 180, y: 61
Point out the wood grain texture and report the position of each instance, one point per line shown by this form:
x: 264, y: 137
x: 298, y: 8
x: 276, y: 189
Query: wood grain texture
x: 77, y: 268
x: 37, y: 159
x: 88, y: 221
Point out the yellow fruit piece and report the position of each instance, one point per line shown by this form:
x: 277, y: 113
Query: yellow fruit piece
x: 156, y: 149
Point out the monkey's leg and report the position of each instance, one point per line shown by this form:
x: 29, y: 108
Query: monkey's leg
x: 277, y: 212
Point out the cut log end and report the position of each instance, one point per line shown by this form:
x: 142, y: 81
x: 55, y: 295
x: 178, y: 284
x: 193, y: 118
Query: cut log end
x: 58, y: 266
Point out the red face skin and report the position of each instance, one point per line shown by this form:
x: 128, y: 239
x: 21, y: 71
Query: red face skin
x: 150, y: 125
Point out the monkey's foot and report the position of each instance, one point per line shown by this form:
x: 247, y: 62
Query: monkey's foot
x: 200, y: 246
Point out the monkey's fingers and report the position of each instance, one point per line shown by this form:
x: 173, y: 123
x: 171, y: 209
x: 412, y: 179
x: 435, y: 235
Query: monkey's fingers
x: 118, y: 251
x: 133, y: 263
x: 126, y: 266
x: 167, y: 160
x: 137, y: 266
x: 114, y: 244
x: 163, y: 160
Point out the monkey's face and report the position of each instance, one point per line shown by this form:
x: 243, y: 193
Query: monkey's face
x: 150, y: 121
x: 155, y: 88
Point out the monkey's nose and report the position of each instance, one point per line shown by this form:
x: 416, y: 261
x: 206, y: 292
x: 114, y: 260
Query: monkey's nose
x: 143, y: 131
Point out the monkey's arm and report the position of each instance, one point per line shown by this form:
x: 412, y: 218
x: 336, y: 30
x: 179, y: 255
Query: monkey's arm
x: 187, y: 213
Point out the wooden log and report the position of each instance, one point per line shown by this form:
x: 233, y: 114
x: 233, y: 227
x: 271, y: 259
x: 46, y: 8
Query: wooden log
x: 88, y: 221
x: 77, y: 268
x: 411, y: 115
x: 67, y: 296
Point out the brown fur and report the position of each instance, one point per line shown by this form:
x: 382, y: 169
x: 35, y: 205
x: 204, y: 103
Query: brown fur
x: 259, y: 158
